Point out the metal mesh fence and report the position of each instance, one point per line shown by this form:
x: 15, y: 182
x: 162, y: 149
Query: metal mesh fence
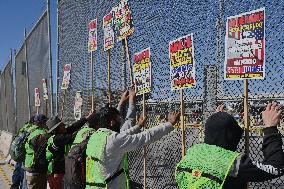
x: 38, y: 61
x: 32, y: 65
x: 22, y: 103
x: 7, y: 99
x: 3, y: 104
x: 156, y: 23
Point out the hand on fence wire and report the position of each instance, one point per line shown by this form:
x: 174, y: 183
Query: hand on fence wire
x: 132, y: 96
x: 173, y: 117
x: 220, y: 108
x: 124, y: 97
x: 141, y: 121
x: 272, y: 115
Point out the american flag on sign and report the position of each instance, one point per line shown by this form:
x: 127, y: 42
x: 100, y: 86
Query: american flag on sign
x: 258, y: 35
x: 259, y: 51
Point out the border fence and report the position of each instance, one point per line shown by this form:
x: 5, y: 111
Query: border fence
x: 156, y: 23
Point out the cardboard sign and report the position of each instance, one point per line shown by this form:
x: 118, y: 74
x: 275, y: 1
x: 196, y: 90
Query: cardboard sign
x: 182, y: 65
x: 108, y: 31
x: 93, y: 32
x: 245, y: 46
x: 142, y: 71
x: 78, y: 106
x: 37, y: 97
x: 66, y: 77
x: 44, y: 87
x: 123, y: 20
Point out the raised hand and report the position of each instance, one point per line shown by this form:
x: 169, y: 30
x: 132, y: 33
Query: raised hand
x: 173, y: 117
x: 272, y: 115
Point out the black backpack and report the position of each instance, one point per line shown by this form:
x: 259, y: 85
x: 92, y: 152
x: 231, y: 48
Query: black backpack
x: 17, y: 149
x: 75, y: 166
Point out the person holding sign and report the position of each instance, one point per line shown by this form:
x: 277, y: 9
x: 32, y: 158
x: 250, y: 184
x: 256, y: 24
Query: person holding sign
x: 106, y: 162
x: 217, y: 164
x: 57, y: 147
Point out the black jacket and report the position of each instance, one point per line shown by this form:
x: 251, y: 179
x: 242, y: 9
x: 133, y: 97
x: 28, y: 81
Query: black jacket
x: 59, y: 143
x: 222, y: 130
x: 246, y: 170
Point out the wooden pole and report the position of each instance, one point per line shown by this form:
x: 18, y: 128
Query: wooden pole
x: 46, y: 107
x: 63, y: 103
x: 144, y: 148
x: 37, y: 110
x: 128, y: 61
x: 108, y: 77
x: 246, y: 116
x: 182, y: 123
x: 93, y: 82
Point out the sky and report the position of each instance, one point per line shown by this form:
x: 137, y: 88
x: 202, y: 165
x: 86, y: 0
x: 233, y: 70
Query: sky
x: 15, y: 16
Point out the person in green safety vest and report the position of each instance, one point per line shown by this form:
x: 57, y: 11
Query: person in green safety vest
x: 106, y: 162
x: 18, y: 177
x: 58, y: 145
x: 92, y: 125
x: 216, y: 164
x: 35, y: 163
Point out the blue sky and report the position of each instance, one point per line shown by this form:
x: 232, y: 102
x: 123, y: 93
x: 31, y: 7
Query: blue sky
x: 15, y: 15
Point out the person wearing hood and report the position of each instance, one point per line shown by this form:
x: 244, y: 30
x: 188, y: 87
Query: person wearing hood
x: 217, y: 164
x: 57, y: 147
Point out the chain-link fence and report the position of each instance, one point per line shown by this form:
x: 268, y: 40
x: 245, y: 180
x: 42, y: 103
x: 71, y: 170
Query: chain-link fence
x: 32, y: 64
x: 157, y: 23
x: 7, y: 99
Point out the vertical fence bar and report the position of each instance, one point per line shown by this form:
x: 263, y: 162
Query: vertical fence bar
x: 50, y: 60
x: 27, y: 71
x: 57, y: 60
x: 15, y: 94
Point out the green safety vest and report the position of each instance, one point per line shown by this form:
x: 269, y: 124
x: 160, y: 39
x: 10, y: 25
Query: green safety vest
x: 204, y: 166
x: 28, y: 128
x: 30, y: 153
x: 94, y: 153
x: 49, y: 155
x: 82, y: 135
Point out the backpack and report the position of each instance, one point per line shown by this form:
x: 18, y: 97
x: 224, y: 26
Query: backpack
x: 75, y: 165
x: 17, y: 149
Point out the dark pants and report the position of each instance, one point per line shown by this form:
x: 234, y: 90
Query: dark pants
x: 18, y: 177
x: 37, y: 181
x: 55, y: 181
x: 73, y: 186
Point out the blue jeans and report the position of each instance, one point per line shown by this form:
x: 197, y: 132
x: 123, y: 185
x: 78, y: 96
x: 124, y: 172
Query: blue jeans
x: 18, y: 178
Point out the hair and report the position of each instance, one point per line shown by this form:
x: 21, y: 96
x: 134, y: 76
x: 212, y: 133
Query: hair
x: 94, y: 120
x: 106, y: 115
x: 40, y: 120
x: 31, y: 120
